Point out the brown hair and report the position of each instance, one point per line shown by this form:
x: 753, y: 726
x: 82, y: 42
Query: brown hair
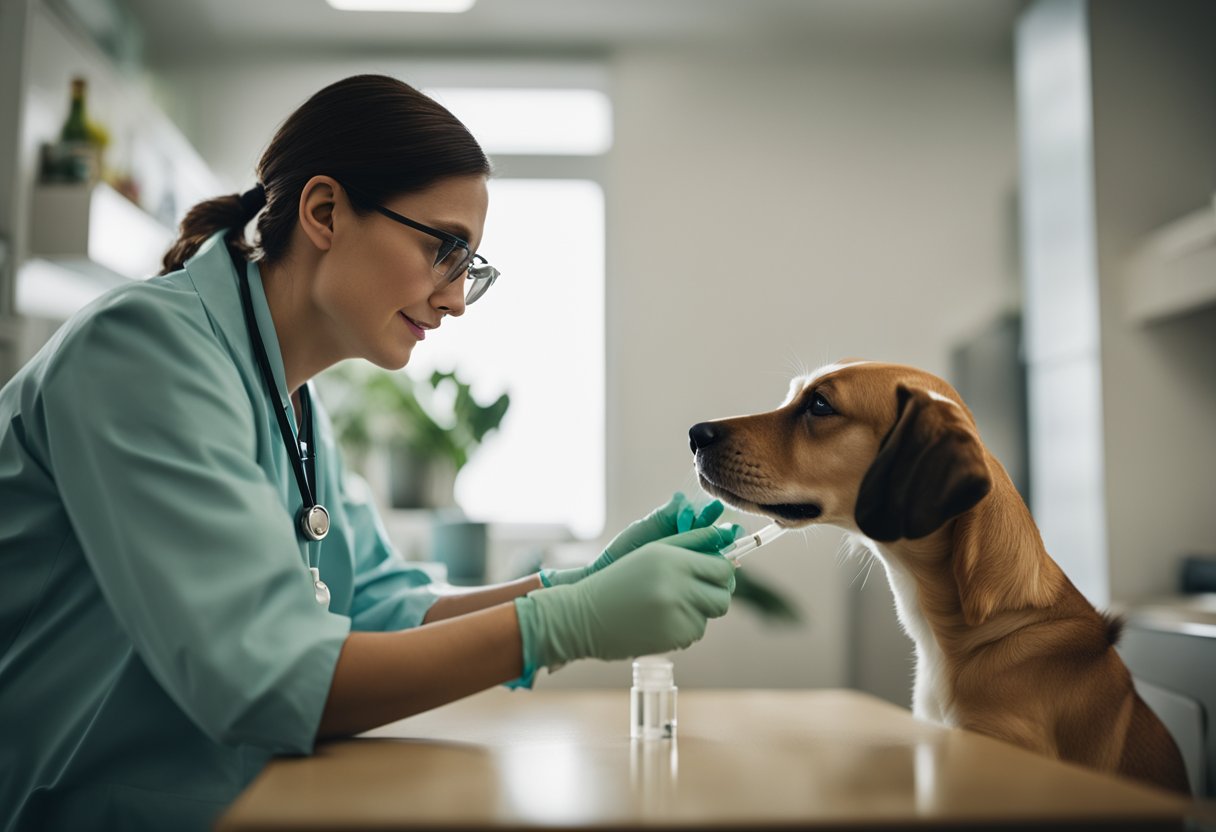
x: 376, y: 135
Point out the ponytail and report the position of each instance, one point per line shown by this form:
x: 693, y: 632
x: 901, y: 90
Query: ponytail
x: 232, y: 212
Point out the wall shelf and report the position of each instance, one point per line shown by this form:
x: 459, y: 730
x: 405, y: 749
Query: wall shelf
x: 70, y: 243
x: 1173, y: 270
x: 85, y: 239
x: 96, y: 224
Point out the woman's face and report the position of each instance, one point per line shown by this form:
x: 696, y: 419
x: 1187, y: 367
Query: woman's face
x: 377, y: 283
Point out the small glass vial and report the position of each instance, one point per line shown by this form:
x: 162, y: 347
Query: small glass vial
x: 652, y: 700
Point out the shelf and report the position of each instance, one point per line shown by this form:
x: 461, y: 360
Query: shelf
x: 1173, y: 270
x: 1192, y: 615
x: 96, y: 224
x: 85, y: 239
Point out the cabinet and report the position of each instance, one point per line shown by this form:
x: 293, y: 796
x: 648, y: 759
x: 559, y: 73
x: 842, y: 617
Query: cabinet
x: 1171, y: 643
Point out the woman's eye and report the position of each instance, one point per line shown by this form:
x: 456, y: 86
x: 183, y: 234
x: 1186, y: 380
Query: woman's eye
x: 820, y: 406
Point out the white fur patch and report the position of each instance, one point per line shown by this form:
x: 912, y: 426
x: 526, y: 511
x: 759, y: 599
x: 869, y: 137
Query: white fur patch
x: 930, y: 698
x: 800, y: 383
x: 938, y: 397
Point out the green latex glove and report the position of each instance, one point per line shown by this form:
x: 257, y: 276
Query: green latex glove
x: 677, y: 515
x: 658, y: 599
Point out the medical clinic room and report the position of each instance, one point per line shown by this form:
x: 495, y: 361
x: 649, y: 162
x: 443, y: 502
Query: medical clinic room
x: 607, y: 414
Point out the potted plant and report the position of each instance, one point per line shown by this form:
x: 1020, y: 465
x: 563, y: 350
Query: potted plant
x: 429, y: 428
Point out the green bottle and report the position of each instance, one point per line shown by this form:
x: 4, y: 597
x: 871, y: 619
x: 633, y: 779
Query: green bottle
x: 76, y: 129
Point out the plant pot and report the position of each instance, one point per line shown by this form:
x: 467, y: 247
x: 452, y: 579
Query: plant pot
x: 419, y: 481
x: 460, y: 545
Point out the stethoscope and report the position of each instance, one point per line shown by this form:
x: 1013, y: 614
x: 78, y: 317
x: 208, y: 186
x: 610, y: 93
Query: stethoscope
x: 312, y: 522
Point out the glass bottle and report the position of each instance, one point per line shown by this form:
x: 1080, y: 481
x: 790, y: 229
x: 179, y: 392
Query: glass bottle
x: 652, y: 699
x: 76, y: 128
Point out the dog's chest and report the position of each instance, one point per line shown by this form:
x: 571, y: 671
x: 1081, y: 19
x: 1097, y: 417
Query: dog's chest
x: 930, y: 691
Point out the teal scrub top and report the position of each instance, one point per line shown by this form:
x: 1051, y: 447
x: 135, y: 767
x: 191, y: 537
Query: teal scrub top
x: 159, y: 635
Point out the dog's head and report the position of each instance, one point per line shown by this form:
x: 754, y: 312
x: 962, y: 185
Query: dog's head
x: 883, y: 449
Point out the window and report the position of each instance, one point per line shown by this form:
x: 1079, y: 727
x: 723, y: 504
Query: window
x: 539, y: 333
x: 534, y: 122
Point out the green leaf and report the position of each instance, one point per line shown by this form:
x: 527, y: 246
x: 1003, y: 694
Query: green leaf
x: 769, y: 603
x: 415, y: 416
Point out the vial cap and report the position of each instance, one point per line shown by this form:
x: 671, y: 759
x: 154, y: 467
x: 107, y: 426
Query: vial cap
x: 653, y: 672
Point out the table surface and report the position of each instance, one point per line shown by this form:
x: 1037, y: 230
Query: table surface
x: 743, y: 758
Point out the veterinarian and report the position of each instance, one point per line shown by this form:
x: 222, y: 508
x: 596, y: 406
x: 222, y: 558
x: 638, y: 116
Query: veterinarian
x: 188, y: 585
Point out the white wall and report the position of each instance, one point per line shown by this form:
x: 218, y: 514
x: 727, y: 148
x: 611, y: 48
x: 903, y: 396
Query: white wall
x: 1118, y: 116
x: 1154, y: 86
x: 770, y: 212
x: 232, y: 110
x: 767, y: 211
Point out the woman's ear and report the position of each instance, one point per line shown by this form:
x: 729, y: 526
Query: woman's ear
x: 929, y: 468
x: 316, y: 213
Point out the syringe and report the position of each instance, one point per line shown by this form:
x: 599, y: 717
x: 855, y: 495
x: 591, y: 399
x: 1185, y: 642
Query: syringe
x: 744, y: 546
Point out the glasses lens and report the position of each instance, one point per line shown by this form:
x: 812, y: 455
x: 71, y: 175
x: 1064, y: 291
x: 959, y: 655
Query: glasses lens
x: 451, y: 261
x: 481, y: 277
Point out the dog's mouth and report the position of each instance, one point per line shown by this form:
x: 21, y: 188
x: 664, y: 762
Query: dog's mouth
x: 793, y: 511
x: 789, y: 512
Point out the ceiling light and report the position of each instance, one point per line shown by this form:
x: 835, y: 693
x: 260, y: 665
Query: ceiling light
x: 446, y: 6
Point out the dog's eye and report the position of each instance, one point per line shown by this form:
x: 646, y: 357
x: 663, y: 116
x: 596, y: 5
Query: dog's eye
x: 820, y: 406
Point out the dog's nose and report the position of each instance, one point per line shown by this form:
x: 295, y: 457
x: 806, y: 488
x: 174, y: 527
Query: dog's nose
x: 702, y: 434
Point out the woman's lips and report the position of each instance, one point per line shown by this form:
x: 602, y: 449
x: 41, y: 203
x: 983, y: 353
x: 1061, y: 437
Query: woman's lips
x: 418, y: 331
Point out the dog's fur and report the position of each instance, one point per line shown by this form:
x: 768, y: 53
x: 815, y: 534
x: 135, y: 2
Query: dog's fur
x: 1005, y: 644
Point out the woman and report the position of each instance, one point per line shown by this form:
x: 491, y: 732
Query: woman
x: 188, y: 588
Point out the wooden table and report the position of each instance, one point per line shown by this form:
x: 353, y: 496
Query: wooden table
x: 743, y: 759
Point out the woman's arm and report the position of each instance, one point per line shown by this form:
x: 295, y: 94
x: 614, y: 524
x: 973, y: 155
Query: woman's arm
x: 383, y: 677
x: 654, y: 601
x: 472, y: 600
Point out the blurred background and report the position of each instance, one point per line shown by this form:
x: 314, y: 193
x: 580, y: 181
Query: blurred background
x: 696, y: 200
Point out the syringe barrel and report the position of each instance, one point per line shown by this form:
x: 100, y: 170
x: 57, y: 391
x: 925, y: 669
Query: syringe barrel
x: 748, y: 544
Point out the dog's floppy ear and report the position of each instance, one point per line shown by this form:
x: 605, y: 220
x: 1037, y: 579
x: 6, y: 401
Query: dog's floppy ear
x: 929, y: 468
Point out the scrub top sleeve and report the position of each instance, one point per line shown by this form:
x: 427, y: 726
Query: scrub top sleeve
x: 388, y: 593
x: 150, y: 436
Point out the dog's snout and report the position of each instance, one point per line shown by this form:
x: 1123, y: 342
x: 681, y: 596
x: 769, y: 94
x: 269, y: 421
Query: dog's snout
x: 703, y: 434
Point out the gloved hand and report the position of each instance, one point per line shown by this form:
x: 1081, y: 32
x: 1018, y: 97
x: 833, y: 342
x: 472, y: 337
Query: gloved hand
x: 658, y: 599
x: 677, y: 515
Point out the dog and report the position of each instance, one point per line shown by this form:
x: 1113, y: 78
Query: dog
x: 1005, y: 644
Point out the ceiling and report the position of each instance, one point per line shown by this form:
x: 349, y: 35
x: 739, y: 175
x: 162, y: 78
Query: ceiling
x: 188, y: 31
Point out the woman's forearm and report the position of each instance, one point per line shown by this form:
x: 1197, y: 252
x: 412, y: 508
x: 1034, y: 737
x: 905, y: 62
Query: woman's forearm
x: 383, y: 677
x: 469, y: 642
x: 464, y: 602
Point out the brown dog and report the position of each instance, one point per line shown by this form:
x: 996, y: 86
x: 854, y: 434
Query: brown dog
x: 1005, y: 644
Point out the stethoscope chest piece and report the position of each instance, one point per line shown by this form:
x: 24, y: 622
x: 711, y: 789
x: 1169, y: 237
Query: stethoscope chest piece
x: 319, y: 587
x: 314, y: 522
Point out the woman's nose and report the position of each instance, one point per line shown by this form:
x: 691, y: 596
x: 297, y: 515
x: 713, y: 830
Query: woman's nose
x: 449, y: 298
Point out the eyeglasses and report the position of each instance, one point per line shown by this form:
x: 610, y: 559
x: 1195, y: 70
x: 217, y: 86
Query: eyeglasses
x: 454, y: 258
